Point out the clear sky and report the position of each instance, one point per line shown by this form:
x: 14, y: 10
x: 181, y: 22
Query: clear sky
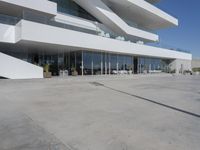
x: 187, y: 35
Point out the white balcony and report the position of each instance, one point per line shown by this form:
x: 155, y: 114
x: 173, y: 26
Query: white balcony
x: 143, y: 13
x: 16, y: 7
x: 110, y: 19
x: 56, y: 38
x: 75, y: 21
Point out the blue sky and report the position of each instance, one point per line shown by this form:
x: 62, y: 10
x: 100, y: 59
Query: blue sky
x: 187, y: 35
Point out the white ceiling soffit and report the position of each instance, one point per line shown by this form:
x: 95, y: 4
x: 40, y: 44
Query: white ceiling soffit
x: 143, y: 13
x: 16, y: 7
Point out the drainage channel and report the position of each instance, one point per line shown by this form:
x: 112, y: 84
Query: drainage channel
x: 148, y: 100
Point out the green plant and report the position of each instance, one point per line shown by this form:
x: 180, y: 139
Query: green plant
x: 46, y: 68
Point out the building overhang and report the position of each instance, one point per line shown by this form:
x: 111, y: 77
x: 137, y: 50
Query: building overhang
x: 17, y: 7
x: 114, y: 22
x: 60, y: 38
x: 142, y: 13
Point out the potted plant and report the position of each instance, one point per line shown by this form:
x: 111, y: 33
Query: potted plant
x: 74, y: 72
x: 47, y: 74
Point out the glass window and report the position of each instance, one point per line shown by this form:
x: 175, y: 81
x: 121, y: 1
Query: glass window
x: 121, y: 65
x: 61, y: 61
x: 87, y: 63
x: 66, y: 61
x: 96, y: 63
x: 125, y: 64
x: 141, y: 65
x: 164, y: 65
x: 157, y: 64
x: 147, y: 65
x: 129, y: 64
x: 113, y: 64
x: 72, y: 62
x: 105, y: 61
x: 53, y: 64
x: 79, y: 62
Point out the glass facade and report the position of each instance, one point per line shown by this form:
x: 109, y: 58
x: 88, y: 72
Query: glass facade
x: 121, y: 63
x: 125, y: 64
x: 87, y: 63
x: 90, y: 62
x: 149, y: 65
x: 129, y: 63
x: 113, y: 64
x: 97, y: 61
x: 106, y: 63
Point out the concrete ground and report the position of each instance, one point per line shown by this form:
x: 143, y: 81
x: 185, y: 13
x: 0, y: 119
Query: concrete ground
x: 152, y: 112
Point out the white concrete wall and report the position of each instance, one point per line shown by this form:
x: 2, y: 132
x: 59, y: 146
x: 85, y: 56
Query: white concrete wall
x: 63, y: 37
x: 18, y: 32
x: 75, y: 21
x: 37, y: 5
x: 180, y: 65
x: 14, y: 68
x: 7, y: 33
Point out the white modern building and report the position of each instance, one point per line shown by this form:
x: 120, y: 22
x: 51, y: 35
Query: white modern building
x: 85, y: 37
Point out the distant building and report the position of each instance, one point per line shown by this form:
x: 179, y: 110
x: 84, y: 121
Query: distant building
x: 85, y: 37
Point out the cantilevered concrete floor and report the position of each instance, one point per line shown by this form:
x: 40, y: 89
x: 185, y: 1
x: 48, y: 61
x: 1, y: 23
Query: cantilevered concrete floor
x: 108, y: 113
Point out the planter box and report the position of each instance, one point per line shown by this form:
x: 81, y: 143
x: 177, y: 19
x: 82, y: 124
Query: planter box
x: 74, y: 73
x: 47, y: 74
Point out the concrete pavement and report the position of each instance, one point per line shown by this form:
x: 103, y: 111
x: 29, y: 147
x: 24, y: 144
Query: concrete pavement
x: 108, y: 113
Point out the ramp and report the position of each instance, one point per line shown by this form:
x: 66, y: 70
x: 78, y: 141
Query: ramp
x: 13, y: 68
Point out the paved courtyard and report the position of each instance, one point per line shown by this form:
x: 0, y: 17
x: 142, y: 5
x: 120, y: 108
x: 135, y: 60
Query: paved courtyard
x: 152, y: 112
